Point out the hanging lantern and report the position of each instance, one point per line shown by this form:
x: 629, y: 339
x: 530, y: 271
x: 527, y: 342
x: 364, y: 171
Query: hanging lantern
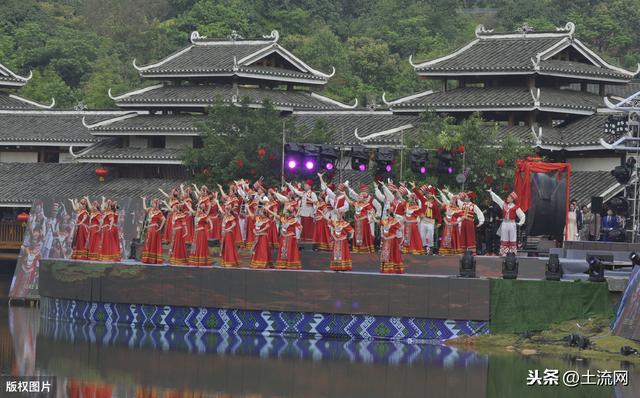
x: 239, y: 163
x: 101, y: 172
x: 261, y: 152
x: 488, y: 180
x: 23, y: 218
x: 500, y: 162
x: 253, y: 172
x: 506, y: 187
x: 461, y: 148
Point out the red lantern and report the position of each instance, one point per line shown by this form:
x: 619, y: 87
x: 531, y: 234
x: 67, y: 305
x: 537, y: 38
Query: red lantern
x: 240, y: 163
x: 500, y: 162
x: 253, y: 172
x: 101, y: 172
x: 461, y: 148
x: 488, y: 180
x: 506, y: 187
x: 23, y: 218
x: 272, y: 156
x: 261, y: 152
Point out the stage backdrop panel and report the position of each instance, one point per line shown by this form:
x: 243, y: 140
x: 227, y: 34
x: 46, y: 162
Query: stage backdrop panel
x: 627, y: 322
x: 49, y: 235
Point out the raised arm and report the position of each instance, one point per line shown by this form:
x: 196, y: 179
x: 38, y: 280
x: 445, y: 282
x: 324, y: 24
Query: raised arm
x: 144, y: 203
x: 295, y: 190
x: 479, y: 214
x: 377, y: 193
x: 496, y: 198
x: 163, y: 192
x: 521, y: 216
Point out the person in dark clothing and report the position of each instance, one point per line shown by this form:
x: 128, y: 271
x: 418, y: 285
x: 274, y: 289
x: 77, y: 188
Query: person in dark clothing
x: 492, y: 216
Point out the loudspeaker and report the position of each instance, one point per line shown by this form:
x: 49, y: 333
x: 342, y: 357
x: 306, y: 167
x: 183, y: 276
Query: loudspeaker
x: 596, y: 205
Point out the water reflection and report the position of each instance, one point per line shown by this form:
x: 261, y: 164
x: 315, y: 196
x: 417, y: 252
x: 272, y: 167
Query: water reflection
x: 101, y: 361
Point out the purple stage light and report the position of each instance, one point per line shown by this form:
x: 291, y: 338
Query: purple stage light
x: 309, y: 165
x: 388, y: 168
x: 450, y: 170
x: 423, y: 170
x: 292, y: 164
x: 329, y: 166
x: 362, y: 167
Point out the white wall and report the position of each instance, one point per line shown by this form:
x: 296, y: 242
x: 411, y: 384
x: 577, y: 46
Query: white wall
x: 593, y: 164
x: 18, y: 157
x: 65, y: 157
x: 175, y: 142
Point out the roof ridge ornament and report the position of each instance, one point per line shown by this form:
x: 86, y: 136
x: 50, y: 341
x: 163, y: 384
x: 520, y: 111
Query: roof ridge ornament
x: 536, y: 63
x: 273, y: 35
x: 480, y: 30
x: 570, y: 28
x: 235, y: 64
x: 526, y: 28
x: 195, y: 36
x: 234, y: 35
x: 536, y: 97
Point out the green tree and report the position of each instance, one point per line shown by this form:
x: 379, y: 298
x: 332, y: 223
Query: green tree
x: 46, y: 85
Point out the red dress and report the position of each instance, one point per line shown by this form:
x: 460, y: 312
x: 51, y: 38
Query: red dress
x: 468, y: 227
x: 216, y: 229
x: 390, y: 257
x: 80, y: 240
x: 188, y: 220
x: 228, y: 251
x: 178, y: 254
x: 272, y: 234
x: 251, y: 223
x: 288, y: 254
x: 261, y: 257
x: 450, y: 241
x: 321, y: 234
x: 166, y: 235
x: 152, y: 249
x: 110, y: 247
x: 340, y: 254
x: 200, y: 250
x: 362, y: 241
x: 412, y: 239
x: 95, y: 236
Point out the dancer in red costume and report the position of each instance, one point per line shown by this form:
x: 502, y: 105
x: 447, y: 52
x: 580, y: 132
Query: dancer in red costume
x: 308, y: 199
x: 110, y: 246
x: 216, y: 220
x: 412, y: 238
x: 261, y: 257
x: 81, y: 233
x: 431, y: 220
x: 390, y: 255
x: 363, y: 214
x: 272, y: 207
x: 152, y: 248
x: 321, y: 233
x: 450, y: 241
x: 251, y: 208
x: 468, y: 226
x: 171, y: 202
x: 288, y: 253
x: 340, y: 254
x: 200, y: 249
x: 178, y: 253
x: 228, y: 250
x: 95, y: 231
x: 187, y: 204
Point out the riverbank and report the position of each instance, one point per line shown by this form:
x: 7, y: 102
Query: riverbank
x: 554, y: 341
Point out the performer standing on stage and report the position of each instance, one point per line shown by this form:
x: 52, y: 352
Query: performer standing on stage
x: 288, y: 253
x: 390, y: 255
x: 272, y: 207
x: 171, y: 202
x: 337, y: 200
x: 321, y: 233
x: 363, y: 215
x: 261, y: 257
x: 95, y: 231
x: 468, y: 227
x: 110, y: 246
x: 508, y: 229
x: 340, y: 254
x: 152, y: 248
x: 81, y: 233
x: 450, y: 240
x: 308, y: 199
x: 200, y: 248
x: 178, y: 252
x: 228, y: 250
x: 431, y: 219
x: 412, y: 238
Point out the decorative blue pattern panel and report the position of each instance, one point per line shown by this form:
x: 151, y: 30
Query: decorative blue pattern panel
x: 268, y: 323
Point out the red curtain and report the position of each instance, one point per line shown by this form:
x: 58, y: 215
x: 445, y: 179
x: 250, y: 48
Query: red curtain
x: 522, y: 180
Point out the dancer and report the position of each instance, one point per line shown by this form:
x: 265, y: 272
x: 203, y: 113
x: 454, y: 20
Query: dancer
x: 261, y: 256
x: 340, y: 254
x: 178, y: 252
x: 431, y: 219
x: 95, y: 231
x: 468, y: 227
x: 363, y: 213
x: 308, y: 199
x: 508, y: 230
x: 110, y: 246
x: 390, y: 256
x: 288, y: 254
x: 450, y: 241
x: 200, y: 249
x: 321, y: 233
x: 81, y: 232
x: 152, y: 248
x: 412, y: 238
x: 228, y: 250
x: 171, y: 202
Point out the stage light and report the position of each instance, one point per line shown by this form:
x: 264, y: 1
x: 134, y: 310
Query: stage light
x: 328, y: 157
x: 553, y: 271
x: 445, y: 162
x: 510, y: 267
x: 418, y: 160
x: 619, y: 205
x: 450, y: 170
x: 596, y: 270
x: 329, y: 166
x: 292, y: 164
x: 309, y: 165
x: 635, y: 258
x: 623, y: 173
x: 388, y: 168
x: 423, y: 170
x: 467, y: 265
x: 359, y: 157
x: 384, y: 160
x: 362, y: 167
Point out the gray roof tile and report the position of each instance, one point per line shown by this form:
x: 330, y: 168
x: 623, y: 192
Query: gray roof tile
x: 44, y: 127
x: 152, y: 125
x: 113, y: 149
x: 585, y: 184
x: 8, y: 102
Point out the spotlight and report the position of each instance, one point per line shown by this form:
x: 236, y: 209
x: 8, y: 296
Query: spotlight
x: 329, y: 166
x: 423, y: 170
x: 292, y: 164
x: 328, y: 157
x: 450, y: 170
x: 553, y: 271
x: 359, y: 158
x: 635, y: 258
x: 619, y: 205
x: 445, y: 162
x: 467, y: 265
x: 623, y: 173
x: 418, y: 159
x: 362, y: 167
x: 309, y: 165
x: 388, y: 168
x: 510, y: 267
x: 384, y: 160
x: 596, y: 270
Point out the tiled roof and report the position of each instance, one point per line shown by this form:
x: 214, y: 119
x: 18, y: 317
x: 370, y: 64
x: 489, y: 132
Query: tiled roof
x: 585, y: 184
x: 583, y: 131
x: 206, y: 95
x: 522, y: 53
x: 8, y: 101
x: 480, y: 98
x: 23, y: 182
x: 611, y: 90
x: 113, y: 150
x: 152, y: 125
x: 45, y: 127
x: 344, y: 123
x: 522, y: 133
x: 10, y: 79
x: 233, y: 58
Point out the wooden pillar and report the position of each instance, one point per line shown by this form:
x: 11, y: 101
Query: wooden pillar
x: 583, y: 87
x: 601, y: 90
x: 462, y: 83
x: 531, y: 83
x: 444, y: 85
x: 512, y: 119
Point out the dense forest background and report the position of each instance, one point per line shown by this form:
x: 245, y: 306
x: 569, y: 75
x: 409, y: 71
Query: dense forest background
x: 78, y: 49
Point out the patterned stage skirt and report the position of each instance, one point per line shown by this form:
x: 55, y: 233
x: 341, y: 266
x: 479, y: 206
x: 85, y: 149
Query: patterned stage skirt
x: 449, y: 244
x: 468, y: 235
x: 216, y: 231
x: 261, y: 257
x: 321, y: 235
x: 412, y: 239
x: 307, y: 229
x: 95, y: 242
x: 80, y: 251
x: 228, y: 251
x: 110, y: 249
x: 200, y: 249
x: 341, y: 256
x: 251, y: 233
x: 152, y: 249
x: 363, y: 241
x: 168, y: 230
x: 390, y: 257
x: 272, y: 234
x: 288, y: 254
x: 178, y: 254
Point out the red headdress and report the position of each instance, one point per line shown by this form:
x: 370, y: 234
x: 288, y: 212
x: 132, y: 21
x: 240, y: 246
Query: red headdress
x: 364, y: 188
x: 431, y: 189
x: 513, y: 196
x: 403, y: 190
x: 309, y: 182
x: 341, y: 187
x: 472, y: 195
x: 392, y: 187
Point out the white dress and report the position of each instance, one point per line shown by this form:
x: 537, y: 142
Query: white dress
x: 572, y: 226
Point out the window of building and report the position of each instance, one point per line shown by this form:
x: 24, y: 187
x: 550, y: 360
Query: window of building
x: 157, y: 141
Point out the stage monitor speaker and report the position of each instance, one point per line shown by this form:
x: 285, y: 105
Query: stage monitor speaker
x: 596, y: 205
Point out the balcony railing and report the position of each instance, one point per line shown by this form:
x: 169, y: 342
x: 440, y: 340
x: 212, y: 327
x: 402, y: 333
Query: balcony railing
x: 11, y: 234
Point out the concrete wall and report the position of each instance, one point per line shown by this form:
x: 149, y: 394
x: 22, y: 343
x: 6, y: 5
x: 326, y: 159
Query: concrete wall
x: 593, y: 163
x: 177, y: 142
x: 138, y: 142
x: 18, y: 157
